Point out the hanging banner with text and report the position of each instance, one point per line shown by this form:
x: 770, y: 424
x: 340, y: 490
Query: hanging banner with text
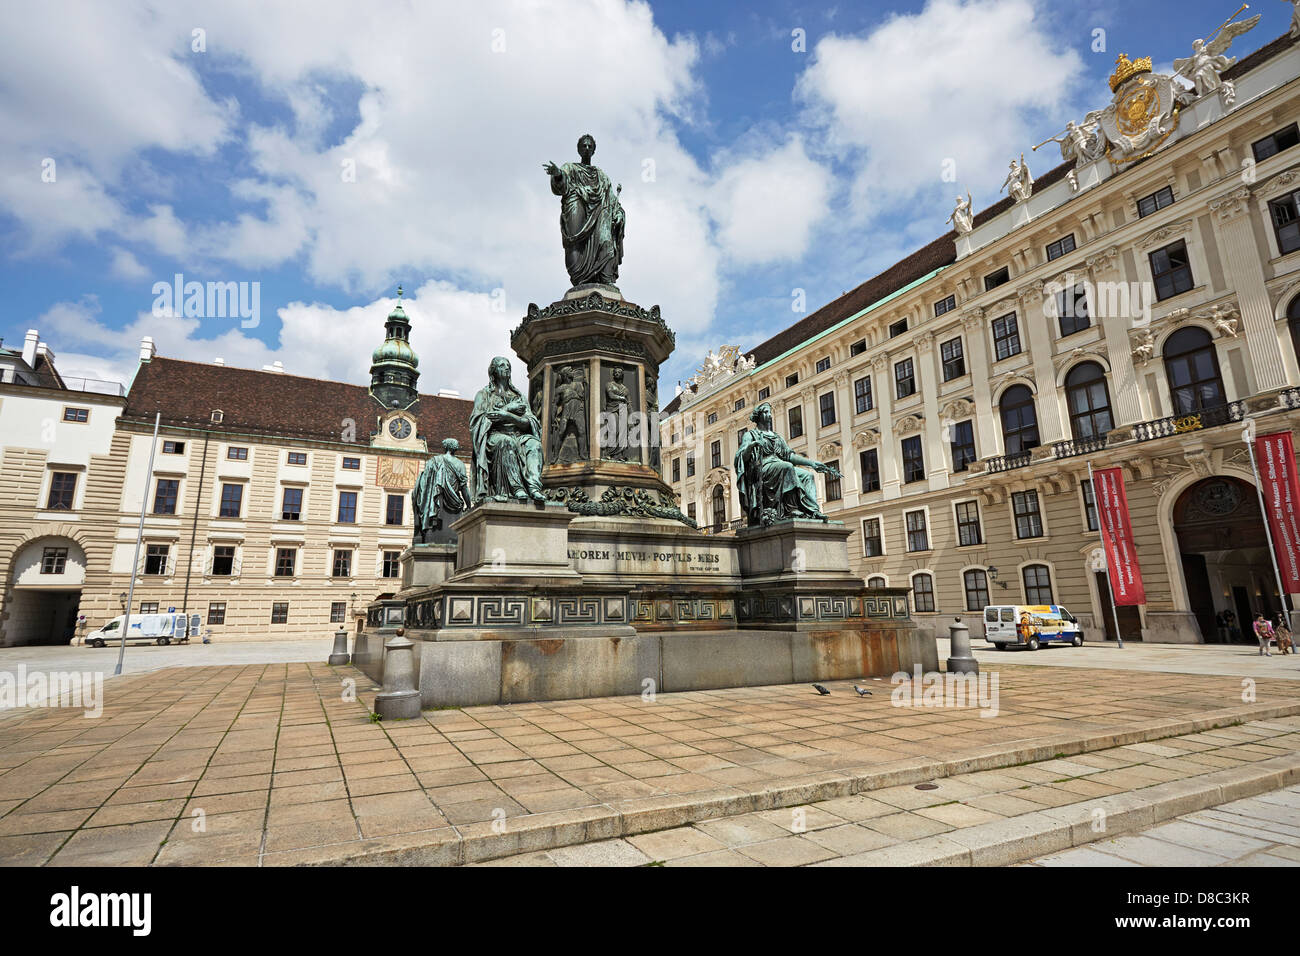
x: 1275, y: 456
x: 1117, y: 536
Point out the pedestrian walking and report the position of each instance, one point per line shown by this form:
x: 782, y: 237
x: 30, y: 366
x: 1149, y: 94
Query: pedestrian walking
x: 1283, y: 631
x: 1263, y: 634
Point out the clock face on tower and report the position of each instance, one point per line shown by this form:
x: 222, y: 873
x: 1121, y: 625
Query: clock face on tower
x: 399, y: 428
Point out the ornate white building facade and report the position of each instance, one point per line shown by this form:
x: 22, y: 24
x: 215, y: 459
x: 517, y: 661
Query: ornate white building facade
x: 1134, y: 306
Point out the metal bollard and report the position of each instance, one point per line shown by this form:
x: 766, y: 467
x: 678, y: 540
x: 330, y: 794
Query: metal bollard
x: 400, y: 699
x: 961, y: 660
x: 340, y: 653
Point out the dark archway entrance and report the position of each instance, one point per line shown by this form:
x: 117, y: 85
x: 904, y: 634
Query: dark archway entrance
x: 1224, y: 552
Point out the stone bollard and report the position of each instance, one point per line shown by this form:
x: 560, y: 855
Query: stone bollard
x: 961, y: 660
x: 340, y: 653
x: 400, y: 698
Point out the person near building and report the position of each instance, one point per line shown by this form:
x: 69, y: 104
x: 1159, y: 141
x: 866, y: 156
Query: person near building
x: 1263, y: 634
x: 1283, y: 632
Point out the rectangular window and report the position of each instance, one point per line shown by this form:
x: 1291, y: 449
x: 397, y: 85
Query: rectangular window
x: 862, y: 394
x: 968, y: 524
x: 1029, y: 520
x: 833, y: 492
x: 396, y: 508
x: 1155, y: 202
x: 71, y: 414
x: 1089, y: 505
x: 1072, y: 310
x: 713, y: 418
x: 963, y: 445
x: 280, y: 612
x: 292, y: 506
x: 918, y: 537
x: 995, y: 279
x: 823, y: 364
x: 677, y: 469
x: 740, y: 403
x: 342, y: 566
x: 223, y: 560
x: 1038, y: 584
x: 1006, y: 337
x: 351, y: 464
x: 913, y: 459
x: 54, y: 560
x: 977, y: 589
x: 232, y: 501
x: 923, y: 592
x: 715, y: 454
x: 155, y: 558
x: 872, y: 545
x: 1172, y: 270
x: 904, y: 378
x: 164, y: 496
x: 897, y: 328
x: 297, y: 458
x: 690, y: 430
x: 337, y: 611
x: 858, y: 347
x: 690, y: 464
x: 392, y: 567
x: 347, y: 507
x: 148, y: 607
x: 827, y: 404
x: 217, y: 612
x: 173, y: 448
x: 237, y: 453
x: 1286, y: 222
x: 1060, y: 247
x: 690, y: 511
x: 954, y: 359
x: 1275, y: 143
x: 795, y: 417
x: 764, y: 394
x: 945, y: 305
x: 792, y: 380
x: 63, y: 491
x: 285, y: 559
x: 869, y: 461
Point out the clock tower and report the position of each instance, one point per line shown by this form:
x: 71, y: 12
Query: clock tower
x: 394, y: 365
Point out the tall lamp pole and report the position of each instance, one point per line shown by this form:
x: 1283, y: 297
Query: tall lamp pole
x: 139, y: 536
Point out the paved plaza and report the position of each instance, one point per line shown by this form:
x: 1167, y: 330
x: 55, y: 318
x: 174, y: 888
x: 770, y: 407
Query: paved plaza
x: 281, y: 763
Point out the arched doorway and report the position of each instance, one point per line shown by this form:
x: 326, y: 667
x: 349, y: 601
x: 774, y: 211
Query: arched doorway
x: 45, y: 582
x: 1224, y: 552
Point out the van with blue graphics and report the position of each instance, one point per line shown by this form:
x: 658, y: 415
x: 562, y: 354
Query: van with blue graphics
x: 1030, y: 625
x: 158, y: 629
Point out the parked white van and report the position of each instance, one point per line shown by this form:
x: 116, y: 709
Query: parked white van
x: 156, y: 628
x: 1029, y: 625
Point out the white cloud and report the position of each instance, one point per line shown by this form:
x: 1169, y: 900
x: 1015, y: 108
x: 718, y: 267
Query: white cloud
x: 767, y: 205
x: 963, y: 80
x: 126, y: 266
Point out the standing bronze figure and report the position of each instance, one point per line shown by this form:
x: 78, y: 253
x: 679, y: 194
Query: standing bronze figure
x: 772, y: 486
x: 507, y: 440
x: 591, y: 218
x: 569, y: 423
x: 441, y: 490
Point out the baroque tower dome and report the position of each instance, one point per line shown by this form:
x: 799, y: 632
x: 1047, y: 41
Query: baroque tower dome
x: 394, y: 365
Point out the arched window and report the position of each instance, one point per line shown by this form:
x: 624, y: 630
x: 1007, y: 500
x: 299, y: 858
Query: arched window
x: 1088, y: 401
x: 876, y: 581
x: 922, y: 592
x: 719, y: 508
x: 1293, y: 322
x: 1038, y: 584
x: 976, y: 583
x: 1192, y: 366
x: 1019, y: 420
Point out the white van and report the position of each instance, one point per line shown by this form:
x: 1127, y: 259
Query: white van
x: 1029, y: 625
x: 159, y: 628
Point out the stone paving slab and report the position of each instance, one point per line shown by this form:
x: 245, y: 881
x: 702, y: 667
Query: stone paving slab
x: 276, y: 764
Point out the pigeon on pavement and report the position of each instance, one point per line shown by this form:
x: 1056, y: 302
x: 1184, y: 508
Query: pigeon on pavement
x: 821, y: 690
x: 862, y: 691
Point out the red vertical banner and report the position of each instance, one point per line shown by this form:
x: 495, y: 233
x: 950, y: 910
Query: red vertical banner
x: 1275, y: 456
x: 1117, y: 536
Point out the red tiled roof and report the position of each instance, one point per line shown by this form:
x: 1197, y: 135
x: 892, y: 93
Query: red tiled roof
x: 276, y: 404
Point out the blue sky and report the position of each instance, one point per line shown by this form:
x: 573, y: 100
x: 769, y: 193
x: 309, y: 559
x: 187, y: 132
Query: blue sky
x: 215, y: 141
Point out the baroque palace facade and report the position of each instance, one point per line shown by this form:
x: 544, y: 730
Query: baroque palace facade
x: 277, y: 505
x: 1136, y: 306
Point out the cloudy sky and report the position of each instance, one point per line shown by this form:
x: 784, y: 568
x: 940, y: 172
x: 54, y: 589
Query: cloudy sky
x: 330, y: 151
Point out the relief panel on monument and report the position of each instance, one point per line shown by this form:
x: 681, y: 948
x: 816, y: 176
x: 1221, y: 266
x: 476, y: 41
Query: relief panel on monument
x: 621, y: 421
x: 568, y: 427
